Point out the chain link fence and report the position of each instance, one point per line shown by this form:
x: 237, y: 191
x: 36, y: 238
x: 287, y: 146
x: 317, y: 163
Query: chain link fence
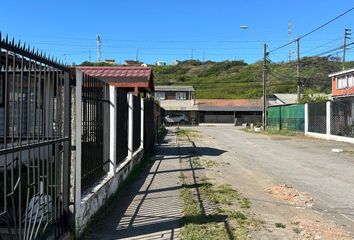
x: 341, y: 118
x: 317, y: 117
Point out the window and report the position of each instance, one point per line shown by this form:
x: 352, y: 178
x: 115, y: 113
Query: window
x: 160, y: 95
x: 351, y: 80
x: 342, y: 82
x: 181, y: 96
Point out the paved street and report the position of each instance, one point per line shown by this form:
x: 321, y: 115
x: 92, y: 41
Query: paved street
x: 307, y: 164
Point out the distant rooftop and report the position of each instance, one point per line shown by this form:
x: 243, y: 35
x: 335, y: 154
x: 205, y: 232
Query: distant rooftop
x: 229, y: 104
x: 174, y: 88
x: 286, y: 98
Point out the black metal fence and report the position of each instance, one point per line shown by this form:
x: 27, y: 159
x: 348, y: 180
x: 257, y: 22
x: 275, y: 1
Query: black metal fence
x: 341, y: 118
x: 150, y: 130
x: 136, y: 123
x: 34, y: 144
x: 95, y: 131
x: 122, y: 127
x: 317, y: 117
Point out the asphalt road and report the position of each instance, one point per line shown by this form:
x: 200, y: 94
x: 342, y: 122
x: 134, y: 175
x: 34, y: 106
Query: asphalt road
x: 305, y: 163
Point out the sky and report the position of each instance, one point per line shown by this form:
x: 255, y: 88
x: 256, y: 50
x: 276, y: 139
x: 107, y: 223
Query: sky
x: 160, y: 30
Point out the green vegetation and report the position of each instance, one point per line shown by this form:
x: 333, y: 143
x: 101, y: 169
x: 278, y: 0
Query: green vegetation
x: 227, y: 223
x: 211, y: 163
x: 237, y: 79
x: 245, y: 203
x: 184, y: 132
x: 297, y: 230
x: 275, y: 132
x: 280, y: 225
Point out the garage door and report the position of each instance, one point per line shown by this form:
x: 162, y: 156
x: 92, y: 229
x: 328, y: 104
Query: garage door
x: 219, y: 118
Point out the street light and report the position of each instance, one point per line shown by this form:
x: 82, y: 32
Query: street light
x: 265, y: 54
x: 244, y: 27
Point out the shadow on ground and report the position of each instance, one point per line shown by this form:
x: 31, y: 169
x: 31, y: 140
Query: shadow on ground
x: 150, y: 207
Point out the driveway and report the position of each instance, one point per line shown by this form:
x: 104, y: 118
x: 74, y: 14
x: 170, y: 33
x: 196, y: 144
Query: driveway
x: 257, y: 161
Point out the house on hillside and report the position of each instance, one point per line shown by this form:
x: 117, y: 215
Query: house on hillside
x: 179, y: 99
x: 231, y: 111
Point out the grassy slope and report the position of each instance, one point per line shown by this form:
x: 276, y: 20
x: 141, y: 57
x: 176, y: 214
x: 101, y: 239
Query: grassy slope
x: 236, y: 79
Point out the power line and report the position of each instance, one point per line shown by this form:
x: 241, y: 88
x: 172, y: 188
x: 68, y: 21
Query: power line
x: 314, y: 30
x: 320, y: 46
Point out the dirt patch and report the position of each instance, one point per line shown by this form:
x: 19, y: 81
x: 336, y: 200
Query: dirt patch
x: 291, y: 195
x: 316, y: 229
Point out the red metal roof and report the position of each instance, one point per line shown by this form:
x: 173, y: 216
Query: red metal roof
x: 229, y: 104
x: 124, y: 77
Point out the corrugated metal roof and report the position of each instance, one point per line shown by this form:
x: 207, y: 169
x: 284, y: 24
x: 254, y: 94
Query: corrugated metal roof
x: 229, y: 104
x: 286, y: 98
x: 122, y: 76
x: 174, y: 88
x: 118, y: 72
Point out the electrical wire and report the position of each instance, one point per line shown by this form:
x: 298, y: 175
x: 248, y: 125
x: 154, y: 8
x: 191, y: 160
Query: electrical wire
x: 314, y: 30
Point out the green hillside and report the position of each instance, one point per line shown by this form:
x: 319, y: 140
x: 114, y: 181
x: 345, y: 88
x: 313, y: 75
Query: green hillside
x: 236, y: 79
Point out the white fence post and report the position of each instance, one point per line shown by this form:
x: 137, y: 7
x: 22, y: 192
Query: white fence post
x: 142, y: 124
x: 306, y: 120
x: 112, y: 128
x: 328, y: 118
x: 130, y: 125
x: 78, y: 141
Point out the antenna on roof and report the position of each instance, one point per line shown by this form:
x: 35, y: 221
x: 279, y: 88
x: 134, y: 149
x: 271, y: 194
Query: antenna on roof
x: 98, y: 48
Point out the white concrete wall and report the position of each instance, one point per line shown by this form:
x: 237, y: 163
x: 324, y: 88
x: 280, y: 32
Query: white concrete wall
x: 92, y: 202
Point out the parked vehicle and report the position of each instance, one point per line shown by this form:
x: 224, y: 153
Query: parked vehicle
x: 176, y: 118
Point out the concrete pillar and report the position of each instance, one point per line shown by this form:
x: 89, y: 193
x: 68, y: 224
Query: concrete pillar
x: 328, y: 118
x: 78, y: 140
x: 306, y: 115
x: 112, y: 128
x: 136, y: 91
x: 142, y: 123
x: 106, y: 124
x: 130, y: 125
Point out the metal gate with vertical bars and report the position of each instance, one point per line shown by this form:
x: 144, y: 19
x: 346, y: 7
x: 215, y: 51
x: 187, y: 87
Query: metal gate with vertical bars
x: 122, y: 126
x: 34, y: 144
x: 95, y: 117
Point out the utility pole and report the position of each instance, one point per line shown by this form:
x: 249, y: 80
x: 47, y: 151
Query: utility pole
x: 192, y: 53
x: 298, y: 91
x: 89, y: 55
x: 265, y: 99
x: 98, y: 48
x: 347, y: 35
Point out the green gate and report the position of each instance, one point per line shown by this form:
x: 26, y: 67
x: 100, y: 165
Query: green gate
x: 290, y: 117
